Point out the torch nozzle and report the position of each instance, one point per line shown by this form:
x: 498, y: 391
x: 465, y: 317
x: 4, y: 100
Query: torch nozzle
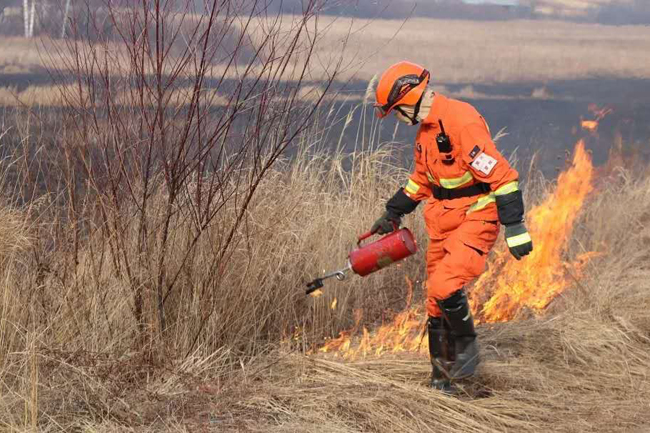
x: 316, y: 284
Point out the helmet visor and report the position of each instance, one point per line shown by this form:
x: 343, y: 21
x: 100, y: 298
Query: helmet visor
x: 380, y: 111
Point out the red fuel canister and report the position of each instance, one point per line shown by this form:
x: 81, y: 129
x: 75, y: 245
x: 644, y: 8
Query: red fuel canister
x: 389, y: 249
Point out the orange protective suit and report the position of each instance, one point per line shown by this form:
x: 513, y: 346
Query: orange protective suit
x: 463, y: 230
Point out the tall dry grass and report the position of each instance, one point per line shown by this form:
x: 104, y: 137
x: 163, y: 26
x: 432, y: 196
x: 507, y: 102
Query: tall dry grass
x: 582, y: 367
x: 304, y: 219
x: 78, y: 352
x: 71, y: 357
x: 67, y: 309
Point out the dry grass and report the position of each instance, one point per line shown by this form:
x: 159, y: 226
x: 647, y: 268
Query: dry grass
x: 574, y: 372
x: 51, y: 96
x: 73, y: 327
x: 67, y: 363
x: 72, y: 358
x: 489, y: 52
x: 46, y: 96
x: 582, y: 368
x: 455, y: 51
x: 19, y: 55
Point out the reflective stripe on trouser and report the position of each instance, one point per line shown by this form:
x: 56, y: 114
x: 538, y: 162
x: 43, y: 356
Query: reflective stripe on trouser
x: 455, y: 261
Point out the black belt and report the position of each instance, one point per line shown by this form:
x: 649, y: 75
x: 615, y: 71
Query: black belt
x: 450, y: 194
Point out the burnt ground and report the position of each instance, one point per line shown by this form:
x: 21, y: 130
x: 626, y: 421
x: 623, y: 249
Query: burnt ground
x: 546, y: 126
x: 549, y: 127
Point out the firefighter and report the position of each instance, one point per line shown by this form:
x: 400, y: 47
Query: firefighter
x: 469, y: 190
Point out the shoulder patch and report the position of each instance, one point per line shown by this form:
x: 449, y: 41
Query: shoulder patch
x: 474, y: 152
x: 484, y: 163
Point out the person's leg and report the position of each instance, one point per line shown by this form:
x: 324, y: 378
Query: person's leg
x: 464, y: 256
x: 436, y: 330
x: 435, y: 254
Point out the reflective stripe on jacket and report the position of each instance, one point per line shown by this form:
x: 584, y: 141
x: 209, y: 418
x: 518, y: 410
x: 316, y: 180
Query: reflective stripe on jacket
x: 475, y: 159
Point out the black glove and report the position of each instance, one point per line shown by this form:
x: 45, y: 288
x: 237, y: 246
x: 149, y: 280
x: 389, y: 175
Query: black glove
x: 399, y: 205
x: 385, y: 224
x: 518, y: 240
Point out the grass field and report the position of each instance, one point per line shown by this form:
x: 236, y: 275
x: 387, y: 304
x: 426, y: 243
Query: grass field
x: 498, y: 52
x: 92, y: 243
x: 463, y: 52
x: 581, y: 366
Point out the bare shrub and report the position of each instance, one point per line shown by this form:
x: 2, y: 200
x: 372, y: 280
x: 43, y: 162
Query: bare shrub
x: 171, y: 125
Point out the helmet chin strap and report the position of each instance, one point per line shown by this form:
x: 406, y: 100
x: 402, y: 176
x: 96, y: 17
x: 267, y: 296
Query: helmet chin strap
x: 416, y: 110
x: 403, y: 115
x: 404, y: 111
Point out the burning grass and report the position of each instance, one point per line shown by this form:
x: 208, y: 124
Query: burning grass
x: 583, y: 366
x: 576, y: 371
x: 509, y: 287
x: 93, y: 338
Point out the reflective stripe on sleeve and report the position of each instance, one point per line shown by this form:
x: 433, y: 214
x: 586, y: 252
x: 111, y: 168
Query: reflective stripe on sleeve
x: 456, y: 182
x: 482, y: 202
x: 521, y: 239
x: 412, y: 187
x: 508, y: 188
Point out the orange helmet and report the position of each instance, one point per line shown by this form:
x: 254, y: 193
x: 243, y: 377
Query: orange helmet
x: 401, y: 84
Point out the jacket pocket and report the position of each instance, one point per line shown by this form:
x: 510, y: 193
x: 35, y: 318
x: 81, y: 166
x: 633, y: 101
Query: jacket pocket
x: 451, y: 217
x: 479, y: 235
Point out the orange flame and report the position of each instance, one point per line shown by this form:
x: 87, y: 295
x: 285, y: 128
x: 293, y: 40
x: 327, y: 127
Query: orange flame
x: 333, y: 304
x: 403, y: 334
x: 509, y: 288
x: 600, y: 113
x: 590, y: 125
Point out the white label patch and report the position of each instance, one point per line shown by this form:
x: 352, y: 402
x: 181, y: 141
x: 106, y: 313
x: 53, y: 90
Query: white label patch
x: 484, y: 163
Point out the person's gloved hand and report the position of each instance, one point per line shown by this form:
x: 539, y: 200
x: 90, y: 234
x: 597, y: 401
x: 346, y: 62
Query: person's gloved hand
x: 385, y: 224
x: 518, y: 240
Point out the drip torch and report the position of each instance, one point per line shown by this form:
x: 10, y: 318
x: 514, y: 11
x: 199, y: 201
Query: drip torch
x: 369, y: 258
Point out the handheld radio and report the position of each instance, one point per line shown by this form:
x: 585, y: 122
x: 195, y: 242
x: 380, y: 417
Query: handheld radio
x: 444, y: 145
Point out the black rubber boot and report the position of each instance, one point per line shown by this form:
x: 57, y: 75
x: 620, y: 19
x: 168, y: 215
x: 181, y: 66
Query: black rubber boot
x: 457, y: 313
x: 437, y: 350
x: 450, y: 354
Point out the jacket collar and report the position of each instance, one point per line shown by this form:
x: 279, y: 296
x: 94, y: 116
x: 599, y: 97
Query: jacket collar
x: 438, y: 109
